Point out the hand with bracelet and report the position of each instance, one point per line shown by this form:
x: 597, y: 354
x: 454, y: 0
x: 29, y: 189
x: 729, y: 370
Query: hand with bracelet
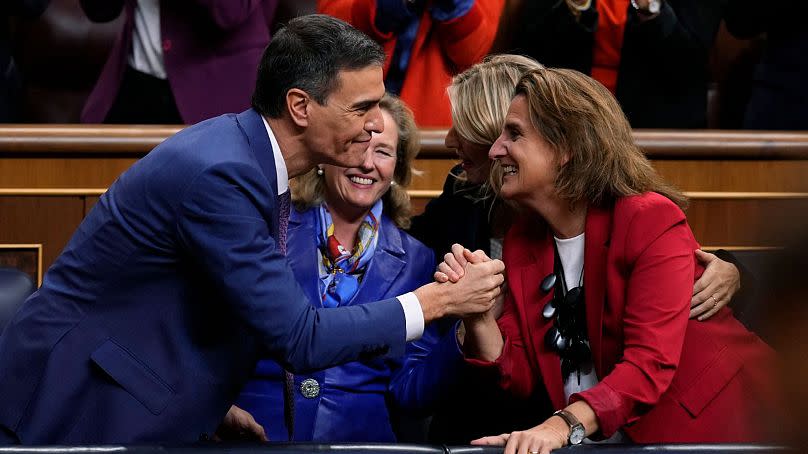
x: 566, y: 427
x: 647, y: 9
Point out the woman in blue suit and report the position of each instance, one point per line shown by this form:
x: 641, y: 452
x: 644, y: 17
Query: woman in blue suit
x: 346, y: 246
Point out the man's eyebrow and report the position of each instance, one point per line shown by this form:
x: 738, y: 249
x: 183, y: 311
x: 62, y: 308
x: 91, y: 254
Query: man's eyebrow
x: 365, y: 104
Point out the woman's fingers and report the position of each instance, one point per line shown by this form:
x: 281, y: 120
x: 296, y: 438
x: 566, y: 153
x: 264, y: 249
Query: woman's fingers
x: 448, y: 271
x: 440, y: 277
x: 495, y: 440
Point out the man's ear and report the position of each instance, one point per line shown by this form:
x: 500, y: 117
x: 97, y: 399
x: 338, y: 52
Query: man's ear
x: 297, y: 102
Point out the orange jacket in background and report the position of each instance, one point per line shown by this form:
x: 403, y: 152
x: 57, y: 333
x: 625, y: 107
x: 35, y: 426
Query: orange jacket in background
x: 440, y: 50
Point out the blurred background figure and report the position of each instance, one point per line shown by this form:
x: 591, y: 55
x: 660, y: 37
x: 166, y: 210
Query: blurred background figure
x: 178, y: 62
x: 10, y: 81
x: 426, y: 43
x: 779, y: 98
x: 652, y: 54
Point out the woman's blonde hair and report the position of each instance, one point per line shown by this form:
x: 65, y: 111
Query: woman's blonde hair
x: 308, y: 189
x: 480, y: 96
x: 579, y: 116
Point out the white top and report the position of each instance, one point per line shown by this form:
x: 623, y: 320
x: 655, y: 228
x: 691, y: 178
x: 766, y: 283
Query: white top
x: 571, y: 253
x: 146, y: 54
x: 413, y: 314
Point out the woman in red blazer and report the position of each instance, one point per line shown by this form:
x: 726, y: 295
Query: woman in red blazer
x: 600, y: 269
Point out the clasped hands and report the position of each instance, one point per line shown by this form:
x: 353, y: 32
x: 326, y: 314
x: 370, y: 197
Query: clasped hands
x: 460, y: 262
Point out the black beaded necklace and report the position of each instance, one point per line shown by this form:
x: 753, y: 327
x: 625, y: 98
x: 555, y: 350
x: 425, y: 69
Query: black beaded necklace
x: 568, y: 336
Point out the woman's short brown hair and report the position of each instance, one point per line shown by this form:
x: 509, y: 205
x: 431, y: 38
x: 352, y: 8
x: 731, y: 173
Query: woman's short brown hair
x: 578, y: 116
x: 308, y: 189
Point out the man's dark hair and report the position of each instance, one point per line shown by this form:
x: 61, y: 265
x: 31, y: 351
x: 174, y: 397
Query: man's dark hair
x: 308, y: 53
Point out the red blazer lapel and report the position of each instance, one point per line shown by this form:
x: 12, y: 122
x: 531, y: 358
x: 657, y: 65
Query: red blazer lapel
x: 598, y: 232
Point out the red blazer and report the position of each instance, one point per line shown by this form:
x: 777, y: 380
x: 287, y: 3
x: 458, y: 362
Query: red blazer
x: 663, y: 377
x: 440, y: 50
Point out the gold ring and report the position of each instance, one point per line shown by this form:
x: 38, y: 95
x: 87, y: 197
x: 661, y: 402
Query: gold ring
x: 533, y: 452
x: 715, y: 301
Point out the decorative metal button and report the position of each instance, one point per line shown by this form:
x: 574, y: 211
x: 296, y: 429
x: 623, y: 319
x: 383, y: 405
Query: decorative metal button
x: 310, y: 388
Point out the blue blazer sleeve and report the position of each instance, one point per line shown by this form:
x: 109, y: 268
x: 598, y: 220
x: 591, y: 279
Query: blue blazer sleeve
x: 432, y: 364
x: 222, y: 223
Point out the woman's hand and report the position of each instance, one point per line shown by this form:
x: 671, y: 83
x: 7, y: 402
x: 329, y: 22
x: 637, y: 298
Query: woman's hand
x: 453, y: 266
x: 541, y: 439
x: 716, y: 287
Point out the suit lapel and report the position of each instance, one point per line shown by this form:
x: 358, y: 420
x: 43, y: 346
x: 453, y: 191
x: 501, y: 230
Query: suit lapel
x: 253, y: 126
x: 598, y: 224
x: 302, y: 253
x: 387, y: 264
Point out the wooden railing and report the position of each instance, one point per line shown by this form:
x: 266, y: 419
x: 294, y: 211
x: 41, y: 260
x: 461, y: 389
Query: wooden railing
x: 738, y: 182
x: 137, y: 140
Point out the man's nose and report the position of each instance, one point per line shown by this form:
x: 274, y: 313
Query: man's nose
x: 375, y: 121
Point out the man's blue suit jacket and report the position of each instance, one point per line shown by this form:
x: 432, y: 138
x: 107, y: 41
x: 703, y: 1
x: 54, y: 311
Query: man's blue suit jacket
x: 352, y: 402
x: 153, y: 317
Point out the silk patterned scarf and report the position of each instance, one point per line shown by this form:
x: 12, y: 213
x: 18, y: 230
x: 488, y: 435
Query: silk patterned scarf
x: 341, y: 270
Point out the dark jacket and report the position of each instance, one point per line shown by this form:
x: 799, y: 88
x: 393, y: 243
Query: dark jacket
x: 662, y: 78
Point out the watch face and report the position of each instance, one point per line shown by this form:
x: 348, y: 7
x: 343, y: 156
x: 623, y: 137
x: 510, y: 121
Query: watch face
x: 577, y: 434
x: 654, y: 6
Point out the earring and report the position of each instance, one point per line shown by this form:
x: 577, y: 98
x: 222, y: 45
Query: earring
x: 320, y: 171
x: 392, y: 183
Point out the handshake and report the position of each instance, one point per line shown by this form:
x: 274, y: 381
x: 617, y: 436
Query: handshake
x: 466, y: 284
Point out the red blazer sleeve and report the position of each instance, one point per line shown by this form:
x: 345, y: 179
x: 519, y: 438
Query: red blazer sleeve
x: 513, y: 367
x: 359, y: 13
x: 659, y: 254
x: 468, y: 38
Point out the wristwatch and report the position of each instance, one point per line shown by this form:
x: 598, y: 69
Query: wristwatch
x: 654, y: 7
x: 577, y: 432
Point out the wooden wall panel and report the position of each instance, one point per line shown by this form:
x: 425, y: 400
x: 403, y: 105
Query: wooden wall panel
x: 735, y: 175
x: 62, y: 172
x: 46, y: 220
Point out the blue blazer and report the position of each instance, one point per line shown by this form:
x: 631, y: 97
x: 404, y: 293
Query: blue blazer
x: 352, y: 401
x: 150, y: 321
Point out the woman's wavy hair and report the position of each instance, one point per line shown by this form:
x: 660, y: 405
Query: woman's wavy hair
x: 308, y: 189
x: 480, y: 96
x: 579, y: 116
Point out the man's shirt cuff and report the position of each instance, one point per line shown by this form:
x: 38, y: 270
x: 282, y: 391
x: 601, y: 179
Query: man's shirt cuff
x: 413, y: 315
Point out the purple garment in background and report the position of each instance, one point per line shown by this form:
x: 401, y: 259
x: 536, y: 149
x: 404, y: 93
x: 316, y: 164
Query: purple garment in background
x: 211, y: 53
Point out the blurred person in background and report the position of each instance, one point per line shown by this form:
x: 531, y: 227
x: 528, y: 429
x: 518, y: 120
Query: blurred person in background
x: 10, y: 77
x: 779, y: 98
x: 651, y: 54
x: 426, y: 43
x: 178, y: 62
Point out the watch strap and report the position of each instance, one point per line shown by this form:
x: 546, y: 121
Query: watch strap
x: 571, y: 421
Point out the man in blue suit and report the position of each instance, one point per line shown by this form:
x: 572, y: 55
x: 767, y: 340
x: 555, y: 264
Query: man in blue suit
x: 154, y: 315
